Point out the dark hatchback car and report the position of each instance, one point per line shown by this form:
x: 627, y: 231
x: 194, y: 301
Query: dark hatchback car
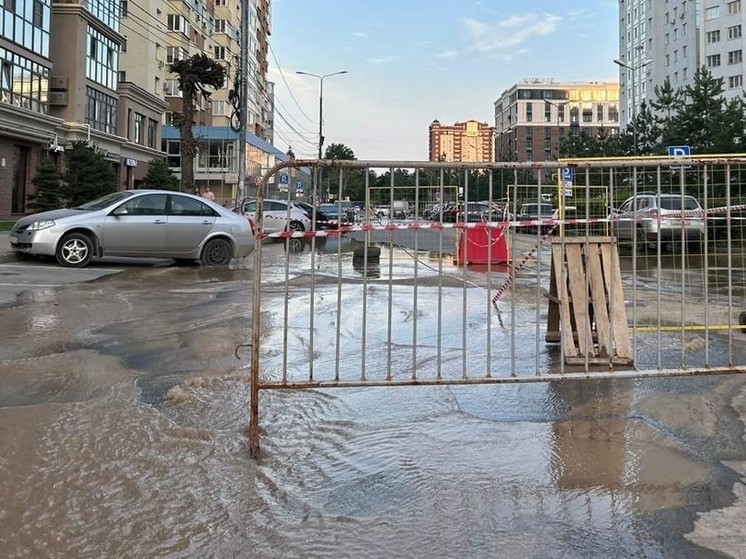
x: 327, y: 215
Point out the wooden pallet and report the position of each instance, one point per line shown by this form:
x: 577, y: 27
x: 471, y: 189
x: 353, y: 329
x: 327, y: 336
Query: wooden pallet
x: 586, y: 302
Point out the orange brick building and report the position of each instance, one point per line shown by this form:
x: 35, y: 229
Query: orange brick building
x: 464, y: 141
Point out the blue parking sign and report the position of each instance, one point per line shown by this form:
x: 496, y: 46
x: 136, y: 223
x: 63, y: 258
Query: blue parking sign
x: 284, y: 179
x: 567, y: 176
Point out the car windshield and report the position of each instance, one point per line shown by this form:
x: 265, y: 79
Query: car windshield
x: 105, y: 201
x: 674, y: 203
x: 328, y: 208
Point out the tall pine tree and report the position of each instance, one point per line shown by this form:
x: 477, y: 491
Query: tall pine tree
x: 47, y: 183
x: 88, y: 175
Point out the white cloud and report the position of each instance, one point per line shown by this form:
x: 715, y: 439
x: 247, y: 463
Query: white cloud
x: 382, y: 60
x: 511, y: 32
x: 361, y: 34
x: 447, y: 55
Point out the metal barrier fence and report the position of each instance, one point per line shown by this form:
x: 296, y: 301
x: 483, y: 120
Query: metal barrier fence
x: 499, y: 273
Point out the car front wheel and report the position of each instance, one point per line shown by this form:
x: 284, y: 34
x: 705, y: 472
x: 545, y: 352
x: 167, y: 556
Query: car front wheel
x: 75, y: 250
x: 217, y: 252
x: 296, y: 226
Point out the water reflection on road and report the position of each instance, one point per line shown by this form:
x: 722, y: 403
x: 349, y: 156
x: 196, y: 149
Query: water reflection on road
x: 123, y: 429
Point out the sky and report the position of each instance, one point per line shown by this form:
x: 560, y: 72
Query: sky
x: 410, y: 62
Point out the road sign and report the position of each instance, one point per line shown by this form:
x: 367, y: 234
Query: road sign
x: 567, y: 176
x: 679, y: 151
x: 299, y: 187
x: 284, y: 179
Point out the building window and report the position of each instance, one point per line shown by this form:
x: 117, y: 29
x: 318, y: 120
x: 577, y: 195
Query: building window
x: 587, y: 114
x: 734, y: 32
x: 152, y: 132
x: 220, y: 26
x: 712, y: 13
x: 219, y: 53
x: 177, y: 22
x: 101, y: 111
x: 123, y: 8
x: 734, y: 7
x: 102, y: 62
x: 735, y: 56
x: 735, y: 81
x: 138, y: 128
x: 712, y: 37
x: 171, y: 87
x: 218, y: 108
x: 713, y: 60
x: 614, y: 113
x: 529, y: 112
x: 175, y: 53
x: 599, y: 113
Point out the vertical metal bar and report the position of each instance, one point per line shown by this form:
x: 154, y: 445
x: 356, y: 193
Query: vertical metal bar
x: 366, y: 223
x: 389, y: 318
x: 439, y: 348
x: 488, y: 304
x: 728, y: 222
x: 682, y: 307
x: 339, y: 277
x: 286, y: 295
x: 416, y: 271
x: 513, y: 272
x: 706, y: 263
x: 659, y: 264
x: 464, y: 242
x: 256, y: 309
x: 317, y: 187
x: 537, y: 296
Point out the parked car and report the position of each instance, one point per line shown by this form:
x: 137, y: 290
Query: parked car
x: 326, y: 217
x: 136, y: 223
x: 278, y: 216
x: 533, y: 211
x: 334, y: 216
x: 651, y: 217
x: 472, y: 212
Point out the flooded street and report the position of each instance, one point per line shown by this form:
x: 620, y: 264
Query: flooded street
x: 123, y: 421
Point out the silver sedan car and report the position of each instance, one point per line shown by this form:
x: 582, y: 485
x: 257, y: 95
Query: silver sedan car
x: 136, y: 223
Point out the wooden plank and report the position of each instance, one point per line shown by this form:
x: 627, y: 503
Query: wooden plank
x: 598, y: 296
x: 578, y: 292
x: 568, y: 343
x: 613, y: 279
x: 553, y: 313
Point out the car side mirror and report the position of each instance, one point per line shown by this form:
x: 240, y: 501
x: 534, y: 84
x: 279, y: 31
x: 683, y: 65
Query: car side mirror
x: 120, y: 211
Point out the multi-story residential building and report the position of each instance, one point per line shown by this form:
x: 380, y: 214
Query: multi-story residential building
x: 60, y: 83
x: 463, y: 141
x: 532, y: 116
x: 672, y: 39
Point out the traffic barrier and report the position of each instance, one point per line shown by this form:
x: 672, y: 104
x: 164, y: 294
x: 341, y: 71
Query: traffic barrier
x: 482, y: 244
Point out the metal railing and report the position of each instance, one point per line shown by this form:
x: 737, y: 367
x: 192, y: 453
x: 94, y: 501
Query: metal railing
x: 464, y: 289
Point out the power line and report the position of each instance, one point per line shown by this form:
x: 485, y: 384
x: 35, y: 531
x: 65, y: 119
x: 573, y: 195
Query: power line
x: 282, y: 74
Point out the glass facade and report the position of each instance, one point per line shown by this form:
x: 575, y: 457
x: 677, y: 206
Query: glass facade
x: 102, y: 59
x: 100, y: 111
x: 23, y: 83
x: 108, y: 11
x: 27, y: 23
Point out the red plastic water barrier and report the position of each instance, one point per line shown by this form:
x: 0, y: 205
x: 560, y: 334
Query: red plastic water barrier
x: 483, y: 244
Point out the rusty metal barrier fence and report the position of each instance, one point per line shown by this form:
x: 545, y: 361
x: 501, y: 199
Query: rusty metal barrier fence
x: 477, y: 273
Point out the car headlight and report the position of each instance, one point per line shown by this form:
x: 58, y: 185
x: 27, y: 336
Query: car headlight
x: 39, y: 225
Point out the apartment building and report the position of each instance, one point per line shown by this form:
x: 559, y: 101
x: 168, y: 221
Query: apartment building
x: 671, y: 39
x: 532, y: 116
x: 462, y: 141
x: 60, y: 83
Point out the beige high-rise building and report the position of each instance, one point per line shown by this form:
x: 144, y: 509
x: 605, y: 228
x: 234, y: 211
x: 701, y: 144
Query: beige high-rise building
x: 463, y: 141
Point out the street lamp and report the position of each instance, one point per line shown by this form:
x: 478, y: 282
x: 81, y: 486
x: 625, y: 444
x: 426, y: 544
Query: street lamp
x: 633, y: 69
x: 321, y: 102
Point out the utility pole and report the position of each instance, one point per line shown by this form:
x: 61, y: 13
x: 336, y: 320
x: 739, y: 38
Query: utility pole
x: 633, y: 70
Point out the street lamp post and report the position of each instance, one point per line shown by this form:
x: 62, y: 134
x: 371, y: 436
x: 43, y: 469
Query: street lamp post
x: 321, y: 103
x: 633, y: 69
x: 321, y: 114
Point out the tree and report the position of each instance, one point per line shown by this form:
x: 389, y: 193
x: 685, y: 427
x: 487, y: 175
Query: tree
x: 196, y: 74
x: 354, y: 179
x: 159, y: 176
x: 699, y: 120
x: 47, y: 188
x: 88, y: 175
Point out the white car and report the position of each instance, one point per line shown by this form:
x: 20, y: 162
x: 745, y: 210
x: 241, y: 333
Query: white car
x: 278, y: 216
